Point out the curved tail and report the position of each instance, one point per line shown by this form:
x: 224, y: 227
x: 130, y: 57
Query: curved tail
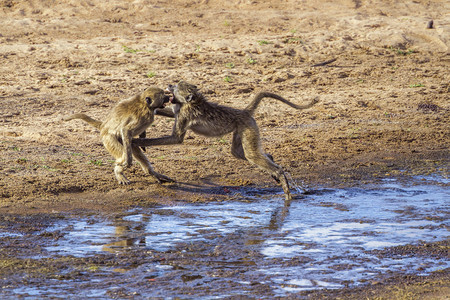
x: 254, y: 104
x: 86, y: 118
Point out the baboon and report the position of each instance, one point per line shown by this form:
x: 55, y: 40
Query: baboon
x: 126, y: 120
x: 193, y: 111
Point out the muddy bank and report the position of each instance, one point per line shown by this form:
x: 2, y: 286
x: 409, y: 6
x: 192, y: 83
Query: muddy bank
x: 353, y: 242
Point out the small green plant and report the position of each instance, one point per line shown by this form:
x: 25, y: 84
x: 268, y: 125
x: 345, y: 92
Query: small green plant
x: 130, y: 50
x: 197, y: 48
x: 66, y: 161
x: 15, y: 148
x: 22, y: 160
x: 48, y: 168
x: 96, y: 162
x: 264, y: 42
x: 151, y: 74
x: 228, y: 79
x: 222, y: 141
x: 416, y: 85
x: 401, y: 52
x: 251, y: 61
x: 76, y: 154
x: 230, y: 65
x: 226, y: 23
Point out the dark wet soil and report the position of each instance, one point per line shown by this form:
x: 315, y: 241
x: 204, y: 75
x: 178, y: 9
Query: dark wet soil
x: 26, y: 269
x: 226, y: 250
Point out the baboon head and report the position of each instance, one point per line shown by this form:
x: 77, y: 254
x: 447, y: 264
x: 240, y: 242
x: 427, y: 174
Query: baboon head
x: 183, y: 92
x: 155, y: 98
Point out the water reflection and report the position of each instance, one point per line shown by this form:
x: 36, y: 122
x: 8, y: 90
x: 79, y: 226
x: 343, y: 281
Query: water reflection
x: 321, y: 241
x: 127, y: 234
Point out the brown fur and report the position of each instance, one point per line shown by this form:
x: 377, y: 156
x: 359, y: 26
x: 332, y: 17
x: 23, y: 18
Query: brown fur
x: 193, y: 111
x: 127, y: 119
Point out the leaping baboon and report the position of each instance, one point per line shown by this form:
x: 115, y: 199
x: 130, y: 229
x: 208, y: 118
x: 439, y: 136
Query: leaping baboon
x: 128, y: 119
x: 193, y: 111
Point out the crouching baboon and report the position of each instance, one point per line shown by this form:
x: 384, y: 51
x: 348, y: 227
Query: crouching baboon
x: 193, y: 111
x: 127, y: 119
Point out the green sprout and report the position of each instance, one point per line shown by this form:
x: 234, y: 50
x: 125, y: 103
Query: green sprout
x: 416, y: 85
x: 230, y: 65
x: 264, y: 42
x: 96, y: 162
x: 401, y: 52
x: 129, y: 50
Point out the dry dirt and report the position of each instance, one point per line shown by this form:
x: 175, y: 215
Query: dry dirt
x: 383, y: 111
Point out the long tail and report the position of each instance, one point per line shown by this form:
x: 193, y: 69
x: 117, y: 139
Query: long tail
x: 254, y: 104
x: 86, y: 118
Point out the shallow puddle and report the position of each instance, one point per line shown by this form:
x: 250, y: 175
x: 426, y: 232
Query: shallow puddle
x: 324, y: 240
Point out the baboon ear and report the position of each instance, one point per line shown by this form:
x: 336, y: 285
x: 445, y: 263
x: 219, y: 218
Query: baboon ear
x: 148, y: 100
x: 189, y: 97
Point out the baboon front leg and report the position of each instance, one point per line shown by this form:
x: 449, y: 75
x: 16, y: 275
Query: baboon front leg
x: 252, y: 148
x: 177, y: 137
x: 147, y: 167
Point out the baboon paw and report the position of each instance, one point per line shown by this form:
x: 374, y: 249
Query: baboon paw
x: 123, y: 181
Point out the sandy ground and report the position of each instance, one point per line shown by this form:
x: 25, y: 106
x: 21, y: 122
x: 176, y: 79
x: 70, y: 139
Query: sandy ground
x: 383, y: 111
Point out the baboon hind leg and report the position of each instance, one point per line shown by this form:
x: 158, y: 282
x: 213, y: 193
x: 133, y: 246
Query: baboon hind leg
x: 146, y: 165
x: 236, y: 147
x: 238, y: 151
x: 116, y: 149
x: 254, y: 154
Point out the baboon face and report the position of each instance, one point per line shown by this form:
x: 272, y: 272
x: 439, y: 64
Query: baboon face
x: 155, y: 97
x: 183, y: 92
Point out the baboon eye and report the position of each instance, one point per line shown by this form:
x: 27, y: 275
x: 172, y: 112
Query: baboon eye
x: 148, y: 99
